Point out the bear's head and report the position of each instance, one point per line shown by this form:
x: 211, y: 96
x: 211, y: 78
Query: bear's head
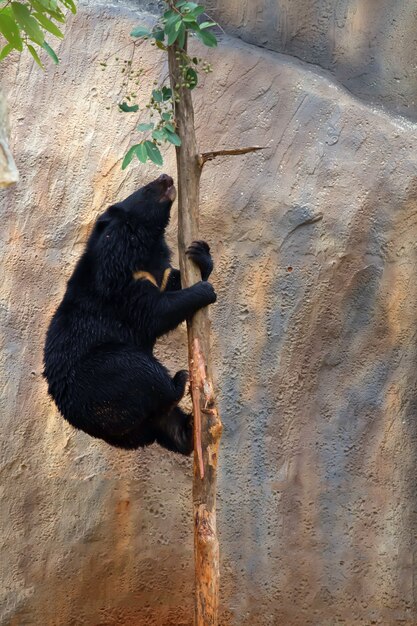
x: 130, y: 232
x: 146, y: 211
x: 149, y: 207
x: 152, y: 203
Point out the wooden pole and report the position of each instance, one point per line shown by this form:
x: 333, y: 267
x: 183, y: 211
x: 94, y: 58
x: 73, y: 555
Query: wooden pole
x: 207, y: 424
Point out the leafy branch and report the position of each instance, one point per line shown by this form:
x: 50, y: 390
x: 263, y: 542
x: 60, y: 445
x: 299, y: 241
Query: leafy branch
x: 180, y: 20
x: 23, y: 24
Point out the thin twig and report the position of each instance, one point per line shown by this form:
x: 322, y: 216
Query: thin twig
x: 209, y: 156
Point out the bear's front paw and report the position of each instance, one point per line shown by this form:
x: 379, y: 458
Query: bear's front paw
x: 199, y: 252
x: 208, y: 292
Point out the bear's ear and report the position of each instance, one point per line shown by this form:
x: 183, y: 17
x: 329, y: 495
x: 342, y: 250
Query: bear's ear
x: 113, y: 213
x: 102, y: 223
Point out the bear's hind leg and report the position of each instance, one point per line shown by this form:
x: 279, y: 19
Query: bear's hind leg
x: 180, y: 381
x: 174, y: 431
x: 131, y: 440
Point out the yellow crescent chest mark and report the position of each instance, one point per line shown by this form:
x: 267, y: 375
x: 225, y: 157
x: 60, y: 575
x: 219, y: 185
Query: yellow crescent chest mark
x: 145, y: 276
x: 148, y: 276
x: 165, y: 278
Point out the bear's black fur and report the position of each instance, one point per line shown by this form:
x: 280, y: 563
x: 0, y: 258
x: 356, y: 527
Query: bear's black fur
x: 122, y: 296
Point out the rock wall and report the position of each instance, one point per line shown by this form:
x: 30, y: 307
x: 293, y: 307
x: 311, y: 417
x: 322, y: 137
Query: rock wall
x: 314, y: 341
x: 370, y: 47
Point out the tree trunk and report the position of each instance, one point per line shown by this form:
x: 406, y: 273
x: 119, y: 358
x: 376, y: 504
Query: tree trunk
x: 207, y: 424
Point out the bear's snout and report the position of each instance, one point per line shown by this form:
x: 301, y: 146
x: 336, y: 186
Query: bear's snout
x: 166, y: 180
x: 169, y: 193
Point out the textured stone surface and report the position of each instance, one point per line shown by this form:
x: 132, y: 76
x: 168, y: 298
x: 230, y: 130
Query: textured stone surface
x: 371, y: 47
x: 314, y: 339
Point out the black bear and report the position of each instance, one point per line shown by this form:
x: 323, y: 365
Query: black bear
x: 122, y: 296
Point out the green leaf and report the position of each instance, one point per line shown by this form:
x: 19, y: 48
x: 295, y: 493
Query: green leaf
x: 170, y: 127
x: 166, y: 93
x: 7, y: 11
x: 207, y: 38
x: 160, y: 45
x: 70, y: 5
x: 207, y: 25
x: 58, y: 16
x: 141, y: 153
x: 28, y: 23
x: 48, y: 5
x: 35, y: 55
x: 181, y: 35
x: 138, y: 150
x: 159, y: 135
x: 169, y: 14
x: 129, y: 156
x: 144, y: 127
x: 140, y: 31
x: 157, y: 95
x: 188, y: 17
x: 154, y: 153
x: 172, y: 33
x: 173, y: 138
x: 190, y: 6
x: 166, y: 116
x: 180, y: 3
x: 126, y: 108
x: 5, y: 51
x: 53, y: 4
x: 9, y: 30
x: 51, y: 52
x: 158, y: 34
x: 172, y: 20
x: 40, y: 6
x: 197, y: 11
x: 48, y: 25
